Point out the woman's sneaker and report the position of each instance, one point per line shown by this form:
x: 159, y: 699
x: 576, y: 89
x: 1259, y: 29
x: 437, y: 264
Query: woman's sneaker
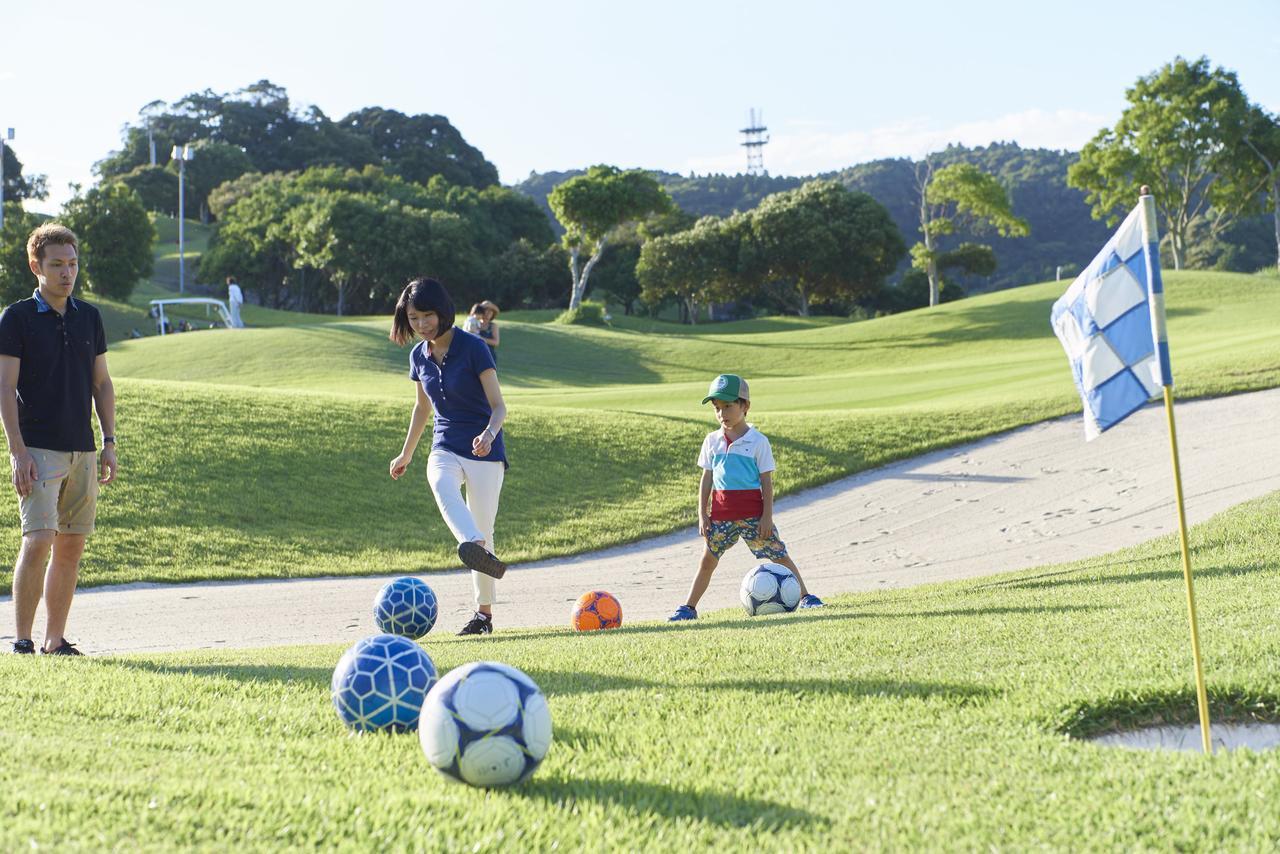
x: 24, y: 647
x: 684, y: 612
x: 811, y: 601
x: 474, y: 556
x: 481, y: 624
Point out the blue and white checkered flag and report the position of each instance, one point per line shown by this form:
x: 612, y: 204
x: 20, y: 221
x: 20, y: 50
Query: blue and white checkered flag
x: 1111, y: 323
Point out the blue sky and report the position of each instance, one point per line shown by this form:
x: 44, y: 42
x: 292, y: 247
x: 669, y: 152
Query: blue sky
x: 563, y: 84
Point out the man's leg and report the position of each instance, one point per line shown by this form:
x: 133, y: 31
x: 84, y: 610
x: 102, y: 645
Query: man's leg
x: 60, y: 586
x: 28, y: 579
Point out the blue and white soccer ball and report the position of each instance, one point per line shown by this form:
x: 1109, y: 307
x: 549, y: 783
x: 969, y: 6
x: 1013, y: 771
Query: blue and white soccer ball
x: 380, y: 684
x: 769, y: 588
x: 405, y: 606
x: 486, y: 724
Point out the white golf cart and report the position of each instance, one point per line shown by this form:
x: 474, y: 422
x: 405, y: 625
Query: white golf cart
x: 211, y: 306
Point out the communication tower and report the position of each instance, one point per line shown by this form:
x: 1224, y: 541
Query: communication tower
x: 755, y: 141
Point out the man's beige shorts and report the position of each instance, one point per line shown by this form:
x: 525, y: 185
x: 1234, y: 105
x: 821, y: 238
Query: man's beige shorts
x: 65, y: 495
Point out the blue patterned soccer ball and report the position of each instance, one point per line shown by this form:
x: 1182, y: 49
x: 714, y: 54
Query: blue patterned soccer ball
x: 770, y: 588
x: 486, y: 724
x: 405, y: 606
x: 380, y: 683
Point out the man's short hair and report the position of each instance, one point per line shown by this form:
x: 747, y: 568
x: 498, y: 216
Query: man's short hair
x: 50, y: 234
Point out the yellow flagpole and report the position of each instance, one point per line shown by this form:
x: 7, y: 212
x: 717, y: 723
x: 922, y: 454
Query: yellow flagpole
x: 1155, y: 289
x: 1202, y: 696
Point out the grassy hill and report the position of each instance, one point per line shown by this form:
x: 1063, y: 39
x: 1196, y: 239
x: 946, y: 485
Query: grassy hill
x: 263, y: 452
x: 947, y: 717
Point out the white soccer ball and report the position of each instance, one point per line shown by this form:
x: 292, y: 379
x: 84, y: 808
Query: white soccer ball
x: 485, y: 724
x: 769, y: 588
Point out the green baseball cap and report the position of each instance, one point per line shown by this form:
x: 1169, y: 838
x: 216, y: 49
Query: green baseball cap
x: 728, y: 387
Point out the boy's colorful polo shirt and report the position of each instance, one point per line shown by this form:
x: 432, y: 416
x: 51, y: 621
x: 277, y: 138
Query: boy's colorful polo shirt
x: 735, y: 473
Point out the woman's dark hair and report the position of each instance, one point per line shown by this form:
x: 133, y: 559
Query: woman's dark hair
x: 424, y: 294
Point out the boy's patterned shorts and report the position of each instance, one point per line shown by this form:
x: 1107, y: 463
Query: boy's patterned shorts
x: 722, y: 535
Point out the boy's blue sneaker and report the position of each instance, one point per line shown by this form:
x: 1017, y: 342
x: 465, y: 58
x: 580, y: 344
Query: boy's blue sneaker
x: 684, y: 612
x: 811, y: 601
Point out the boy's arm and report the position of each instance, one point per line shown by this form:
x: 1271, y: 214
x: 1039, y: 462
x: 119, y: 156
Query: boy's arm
x: 766, y: 496
x: 704, y: 500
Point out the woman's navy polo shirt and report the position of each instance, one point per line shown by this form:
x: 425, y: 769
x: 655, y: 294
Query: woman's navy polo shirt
x: 461, y: 407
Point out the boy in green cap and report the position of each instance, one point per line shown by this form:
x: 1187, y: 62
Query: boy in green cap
x: 735, y: 497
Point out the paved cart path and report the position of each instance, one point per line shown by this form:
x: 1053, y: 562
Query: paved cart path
x: 1035, y: 496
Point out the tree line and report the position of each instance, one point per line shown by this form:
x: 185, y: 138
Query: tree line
x: 326, y: 215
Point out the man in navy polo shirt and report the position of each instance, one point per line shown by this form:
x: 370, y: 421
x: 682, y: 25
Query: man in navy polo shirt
x: 53, y: 371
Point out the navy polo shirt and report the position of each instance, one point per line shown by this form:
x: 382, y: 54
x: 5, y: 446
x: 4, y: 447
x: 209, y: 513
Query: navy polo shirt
x: 55, y: 377
x: 461, y: 407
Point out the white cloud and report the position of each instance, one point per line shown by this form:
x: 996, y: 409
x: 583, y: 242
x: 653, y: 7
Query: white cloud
x: 803, y: 148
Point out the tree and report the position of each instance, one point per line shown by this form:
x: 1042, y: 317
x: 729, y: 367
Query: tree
x: 214, y: 164
x: 829, y: 242
x: 16, y: 187
x: 226, y: 194
x: 959, y: 196
x: 156, y: 186
x: 361, y: 242
x: 524, y: 276
x: 1182, y: 134
x: 699, y: 265
x: 591, y: 206
x: 420, y: 147
x: 116, y: 237
x: 253, y: 243
x: 1262, y: 137
x: 16, y: 281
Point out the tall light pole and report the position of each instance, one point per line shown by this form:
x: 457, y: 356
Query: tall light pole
x: 182, y: 153
x: 8, y: 135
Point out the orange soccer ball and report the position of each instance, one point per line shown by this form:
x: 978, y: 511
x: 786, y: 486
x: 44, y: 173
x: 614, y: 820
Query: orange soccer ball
x: 597, y: 610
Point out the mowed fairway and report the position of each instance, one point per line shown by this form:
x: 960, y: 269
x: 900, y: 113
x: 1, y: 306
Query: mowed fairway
x: 263, y: 452
x: 939, y: 717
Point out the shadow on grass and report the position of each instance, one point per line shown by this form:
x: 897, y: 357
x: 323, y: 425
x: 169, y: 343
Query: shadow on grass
x: 557, y: 683
x: 958, y: 694
x: 830, y: 613
x: 238, y: 672
x: 562, y: 683
x: 1132, y: 711
x: 1101, y: 575
x: 671, y: 802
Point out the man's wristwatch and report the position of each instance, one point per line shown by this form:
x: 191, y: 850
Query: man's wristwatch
x: 108, y: 440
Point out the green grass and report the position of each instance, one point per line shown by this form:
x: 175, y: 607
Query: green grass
x: 989, y: 349
x: 917, y: 719
x: 247, y: 454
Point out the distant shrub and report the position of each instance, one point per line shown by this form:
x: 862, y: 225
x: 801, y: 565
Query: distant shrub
x: 586, y: 314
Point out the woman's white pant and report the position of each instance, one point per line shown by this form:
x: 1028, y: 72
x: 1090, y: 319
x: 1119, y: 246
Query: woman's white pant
x: 473, y: 520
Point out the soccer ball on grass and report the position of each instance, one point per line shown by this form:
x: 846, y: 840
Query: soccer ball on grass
x: 380, y: 683
x: 769, y: 588
x: 405, y: 606
x: 597, y: 610
x: 485, y: 724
